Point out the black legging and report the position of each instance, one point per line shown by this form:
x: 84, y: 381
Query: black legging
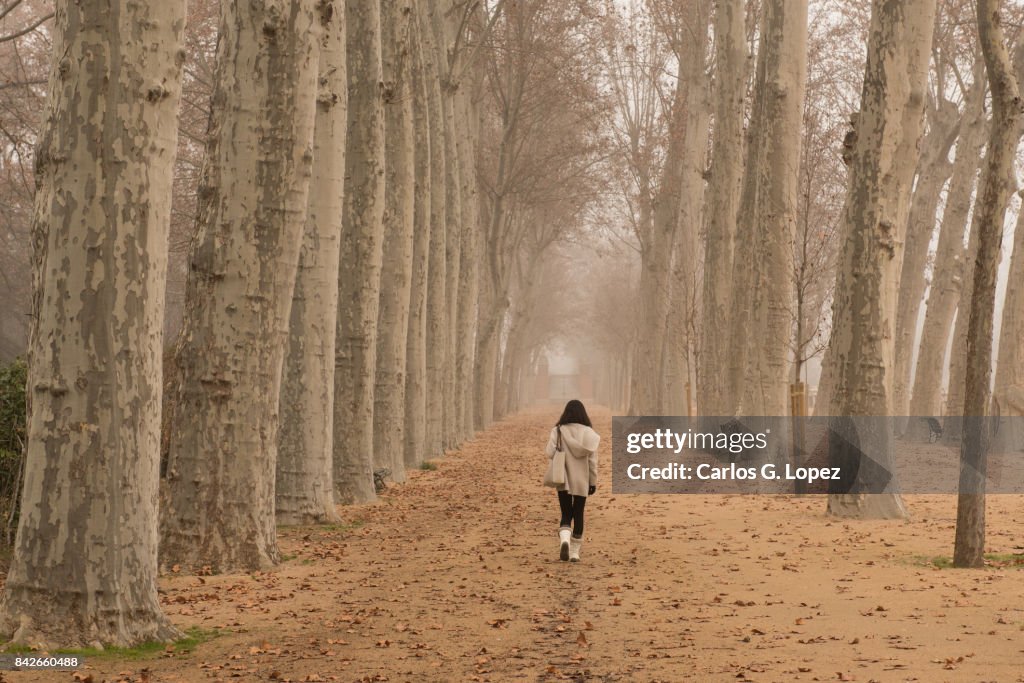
x: 572, y: 511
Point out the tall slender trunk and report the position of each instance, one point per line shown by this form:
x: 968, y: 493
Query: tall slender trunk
x: 437, y: 301
x: 223, y: 443
x: 305, y: 446
x: 954, y: 406
x: 658, y: 239
x: 934, y: 170
x: 678, y: 352
x: 744, y: 260
x: 453, y: 267
x: 416, y: 378
x: 441, y: 22
x: 396, y: 271
x: 950, y: 257
x: 823, y: 395
x: 1009, y: 389
x: 84, y: 566
x: 883, y: 161
x: 529, y: 285
x: 468, y: 124
x: 361, y: 256
x: 998, y: 180
x: 493, y: 297
x: 645, y: 389
x: 507, y: 398
x: 722, y: 204
x: 487, y: 361
x: 781, y: 100
x: 959, y: 358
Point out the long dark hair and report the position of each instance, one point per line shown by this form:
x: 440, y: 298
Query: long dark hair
x: 574, y: 413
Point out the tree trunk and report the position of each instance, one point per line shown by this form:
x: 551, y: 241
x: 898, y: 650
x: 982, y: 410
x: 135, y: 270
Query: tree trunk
x: 493, y: 293
x: 744, y: 261
x: 655, y: 269
x: 530, y: 288
x: 437, y: 302
x: 823, y: 395
x: 933, y: 171
x: 487, y: 360
x: 956, y: 396
x: 444, y: 45
x: 658, y: 238
x: 722, y: 204
x: 84, y: 567
x: 950, y: 256
x: 507, y: 400
x: 1009, y: 389
x: 953, y: 409
x: 305, y: 445
x: 396, y: 271
x: 468, y: 125
x: 678, y: 350
x: 223, y: 443
x: 996, y: 185
x: 424, y: 219
x: 883, y: 161
x: 361, y: 256
x: 781, y: 98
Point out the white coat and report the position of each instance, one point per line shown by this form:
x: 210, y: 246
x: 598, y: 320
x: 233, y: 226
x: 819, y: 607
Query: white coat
x: 580, y: 445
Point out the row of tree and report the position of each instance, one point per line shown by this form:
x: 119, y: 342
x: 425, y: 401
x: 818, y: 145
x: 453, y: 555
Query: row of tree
x: 393, y: 207
x: 817, y: 229
x: 378, y: 177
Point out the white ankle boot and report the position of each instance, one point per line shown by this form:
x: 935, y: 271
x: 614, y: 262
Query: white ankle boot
x: 574, y: 549
x: 563, y: 542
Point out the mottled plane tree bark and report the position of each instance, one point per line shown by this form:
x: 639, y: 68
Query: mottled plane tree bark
x: 883, y: 159
x: 933, y: 170
x: 467, y: 126
x: 959, y: 359
x: 362, y: 235
x: 743, y: 277
x: 1009, y: 384
x: 84, y: 566
x: 396, y: 269
x: 426, y: 217
x: 997, y: 183
x: 305, y: 494
x: 722, y: 203
x: 944, y: 292
x: 443, y: 30
x: 780, y: 99
x: 221, y: 471
x: 689, y: 38
x: 437, y: 341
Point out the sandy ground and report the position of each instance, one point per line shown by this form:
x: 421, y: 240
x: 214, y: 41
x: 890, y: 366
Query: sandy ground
x: 454, y: 576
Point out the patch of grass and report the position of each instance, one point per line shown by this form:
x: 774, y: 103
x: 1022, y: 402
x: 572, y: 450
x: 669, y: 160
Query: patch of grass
x: 16, y: 649
x: 992, y: 561
x: 428, y: 465
x: 193, y: 637
x: 285, y: 557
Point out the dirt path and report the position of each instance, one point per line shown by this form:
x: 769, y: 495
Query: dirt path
x: 454, y: 576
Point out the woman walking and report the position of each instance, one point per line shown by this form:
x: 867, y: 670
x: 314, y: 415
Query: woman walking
x: 574, y: 435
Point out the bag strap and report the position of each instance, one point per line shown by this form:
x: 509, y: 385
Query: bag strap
x: 562, y: 446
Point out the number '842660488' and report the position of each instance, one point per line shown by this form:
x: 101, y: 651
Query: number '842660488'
x: 52, y: 662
